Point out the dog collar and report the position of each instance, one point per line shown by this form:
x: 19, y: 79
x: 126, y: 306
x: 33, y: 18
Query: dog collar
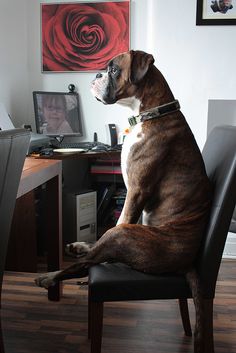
x: 155, y: 113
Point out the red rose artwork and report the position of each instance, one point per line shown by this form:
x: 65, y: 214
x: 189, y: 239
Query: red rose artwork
x: 83, y: 36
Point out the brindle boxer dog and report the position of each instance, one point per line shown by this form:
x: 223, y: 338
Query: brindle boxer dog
x: 165, y: 178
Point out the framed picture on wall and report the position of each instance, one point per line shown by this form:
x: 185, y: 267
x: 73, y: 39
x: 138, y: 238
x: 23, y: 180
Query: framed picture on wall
x: 216, y: 12
x: 83, y: 36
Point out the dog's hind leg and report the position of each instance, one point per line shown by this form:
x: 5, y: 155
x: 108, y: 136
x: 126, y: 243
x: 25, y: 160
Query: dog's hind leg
x: 49, y: 279
x: 141, y: 247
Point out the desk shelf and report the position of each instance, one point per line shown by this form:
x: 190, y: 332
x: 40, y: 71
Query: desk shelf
x: 102, y: 166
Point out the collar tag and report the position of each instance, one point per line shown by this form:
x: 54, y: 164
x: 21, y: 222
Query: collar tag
x: 134, y: 120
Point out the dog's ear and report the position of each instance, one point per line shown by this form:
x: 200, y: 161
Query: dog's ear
x: 140, y: 63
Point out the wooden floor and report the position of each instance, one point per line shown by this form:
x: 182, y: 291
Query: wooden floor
x: 32, y: 324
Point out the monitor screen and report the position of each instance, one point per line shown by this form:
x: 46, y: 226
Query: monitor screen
x: 57, y: 113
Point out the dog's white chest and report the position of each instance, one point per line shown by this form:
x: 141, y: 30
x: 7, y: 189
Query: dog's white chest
x: 136, y: 135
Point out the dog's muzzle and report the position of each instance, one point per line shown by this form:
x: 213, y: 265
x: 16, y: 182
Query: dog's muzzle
x: 102, y: 89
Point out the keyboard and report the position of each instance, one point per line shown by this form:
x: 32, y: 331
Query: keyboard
x: 117, y: 147
x: 83, y: 145
x: 86, y: 146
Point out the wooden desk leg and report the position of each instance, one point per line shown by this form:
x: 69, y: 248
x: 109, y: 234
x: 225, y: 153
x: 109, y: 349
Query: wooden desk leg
x: 54, y: 232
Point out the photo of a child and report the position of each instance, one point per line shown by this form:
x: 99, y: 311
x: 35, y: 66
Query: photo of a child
x: 54, y: 115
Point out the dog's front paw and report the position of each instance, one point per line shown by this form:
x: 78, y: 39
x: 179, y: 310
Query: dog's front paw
x: 77, y: 249
x: 46, y: 280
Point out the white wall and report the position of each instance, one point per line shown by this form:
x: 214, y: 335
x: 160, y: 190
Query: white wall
x: 198, y: 62
x: 14, y: 79
x: 221, y: 111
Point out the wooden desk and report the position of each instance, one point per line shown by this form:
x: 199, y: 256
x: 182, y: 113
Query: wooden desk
x: 48, y: 171
x: 35, y: 173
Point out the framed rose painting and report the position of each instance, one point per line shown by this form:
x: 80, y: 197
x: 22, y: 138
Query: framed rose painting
x: 83, y: 36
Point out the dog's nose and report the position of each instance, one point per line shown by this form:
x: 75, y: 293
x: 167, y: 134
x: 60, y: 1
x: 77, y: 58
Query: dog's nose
x: 99, y: 75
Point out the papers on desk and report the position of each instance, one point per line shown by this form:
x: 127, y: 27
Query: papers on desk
x: 69, y: 150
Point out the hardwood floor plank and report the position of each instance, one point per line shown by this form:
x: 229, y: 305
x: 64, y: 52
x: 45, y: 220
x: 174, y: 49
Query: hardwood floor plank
x: 32, y: 324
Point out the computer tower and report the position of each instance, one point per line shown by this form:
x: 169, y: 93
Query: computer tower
x: 86, y: 215
x: 80, y: 217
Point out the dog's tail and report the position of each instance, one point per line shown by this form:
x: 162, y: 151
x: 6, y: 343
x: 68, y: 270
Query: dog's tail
x: 195, y: 286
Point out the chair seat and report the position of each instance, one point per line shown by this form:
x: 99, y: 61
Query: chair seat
x: 117, y: 282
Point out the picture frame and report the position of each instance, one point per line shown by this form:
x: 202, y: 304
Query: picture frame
x: 83, y: 36
x: 221, y: 12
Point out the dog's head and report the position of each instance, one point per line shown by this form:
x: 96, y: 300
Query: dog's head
x: 124, y: 74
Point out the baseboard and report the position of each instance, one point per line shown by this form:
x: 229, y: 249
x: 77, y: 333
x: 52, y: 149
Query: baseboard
x: 230, y: 246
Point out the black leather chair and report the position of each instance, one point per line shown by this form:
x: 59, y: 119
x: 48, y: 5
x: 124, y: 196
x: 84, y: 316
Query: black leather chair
x: 13, y: 149
x: 117, y: 282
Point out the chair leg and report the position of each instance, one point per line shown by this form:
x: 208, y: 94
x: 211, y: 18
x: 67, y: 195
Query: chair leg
x: 89, y: 316
x: 95, y: 325
x: 203, y: 335
x: 183, y: 307
x: 2, y: 350
x: 208, y: 325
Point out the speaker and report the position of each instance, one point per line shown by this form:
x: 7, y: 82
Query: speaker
x: 112, y: 134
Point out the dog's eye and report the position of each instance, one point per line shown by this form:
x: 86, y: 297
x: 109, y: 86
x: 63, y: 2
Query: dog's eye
x: 113, y: 70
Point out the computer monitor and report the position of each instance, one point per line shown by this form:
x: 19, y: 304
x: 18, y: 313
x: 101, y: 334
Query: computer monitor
x: 57, y: 113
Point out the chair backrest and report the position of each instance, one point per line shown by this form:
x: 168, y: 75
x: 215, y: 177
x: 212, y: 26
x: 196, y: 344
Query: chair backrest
x: 13, y: 149
x: 219, y: 155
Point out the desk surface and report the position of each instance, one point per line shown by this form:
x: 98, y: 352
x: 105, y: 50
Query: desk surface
x: 36, y: 172
x: 82, y: 155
